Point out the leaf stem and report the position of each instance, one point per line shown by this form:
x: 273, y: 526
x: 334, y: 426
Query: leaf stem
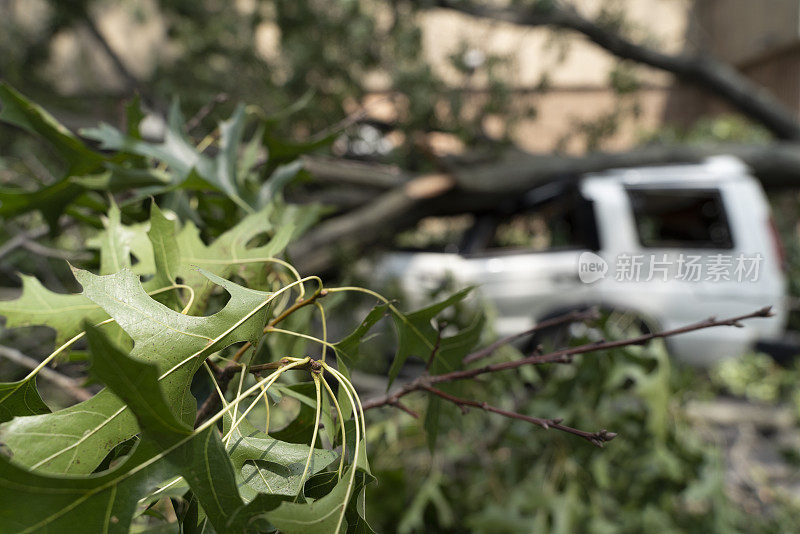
x: 386, y: 301
x: 238, y: 323
x: 286, y: 365
x: 317, y: 413
x: 341, y: 424
x: 342, y: 381
x: 324, y: 329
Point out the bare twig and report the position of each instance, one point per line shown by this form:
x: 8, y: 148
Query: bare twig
x: 596, y: 438
x: 131, y: 82
x: 20, y: 239
x: 49, y: 252
x: 69, y: 385
x: 439, y: 328
x: 426, y: 382
x: 719, y: 78
x: 399, y: 405
x: 560, y: 355
x: 205, y: 111
x: 571, y: 317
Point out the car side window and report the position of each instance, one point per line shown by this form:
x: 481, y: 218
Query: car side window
x: 566, y: 223
x: 680, y: 218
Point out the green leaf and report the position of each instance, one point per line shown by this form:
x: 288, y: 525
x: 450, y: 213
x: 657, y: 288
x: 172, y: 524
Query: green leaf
x: 23, y: 113
x: 20, y: 398
x: 268, y: 465
x: 277, y: 181
x: 38, y: 306
x: 301, y: 428
x: 416, y: 334
x: 448, y: 357
x: 52, y: 199
x: 281, y: 150
x: 322, y: 515
x: 348, y: 347
x: 453, y: 349
x: 231, y: 133
x: 229, y: 254
x: 175, y: 150
x: 190, y: 168
x: 134, y: 114
x: 116, y: 242
x: 106, y: 503
x: 247, y: 161
x: 76, y: 439
x: 166, y: 255
x: 115, y: 178
x: 347, y: 351
x: 200, y: 458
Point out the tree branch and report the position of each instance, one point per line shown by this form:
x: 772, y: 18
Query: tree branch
x: 393, y: 209
x: 474, y: 184
x: 427, y: 383
x: 715, y: 76
x: 351, y: 172
x: 566, y: 354
x: 595, y: 438
x: 131, y: 82
x: 571, y: 317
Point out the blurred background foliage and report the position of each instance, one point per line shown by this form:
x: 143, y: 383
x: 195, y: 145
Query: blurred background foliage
x: 670, y: 472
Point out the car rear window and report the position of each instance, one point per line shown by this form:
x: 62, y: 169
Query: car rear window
x: 685, y: 218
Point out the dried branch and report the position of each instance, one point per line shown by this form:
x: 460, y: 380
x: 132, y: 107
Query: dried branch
x: 20, y: 239
x: 565, y: 354
x: 50, y: 252
x: 131, y: 82
x: 439, y: 328
x: 427, y: 382
x: 571, y: 317
x: 205, y: 111
x: 595, y: 438
x: 474, y: 186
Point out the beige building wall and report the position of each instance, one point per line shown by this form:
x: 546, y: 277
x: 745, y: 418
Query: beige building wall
x: 577, y: 71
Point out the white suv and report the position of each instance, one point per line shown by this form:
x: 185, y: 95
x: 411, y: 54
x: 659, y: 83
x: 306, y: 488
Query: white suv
x: 671, y: 245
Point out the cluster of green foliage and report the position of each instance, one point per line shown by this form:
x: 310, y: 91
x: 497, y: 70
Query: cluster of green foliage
x: 155, y: 323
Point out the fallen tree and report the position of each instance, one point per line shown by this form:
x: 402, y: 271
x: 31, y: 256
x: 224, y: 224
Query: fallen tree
x: 398, y: 200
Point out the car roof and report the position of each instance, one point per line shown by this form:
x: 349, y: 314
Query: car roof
x: 715, y: 169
